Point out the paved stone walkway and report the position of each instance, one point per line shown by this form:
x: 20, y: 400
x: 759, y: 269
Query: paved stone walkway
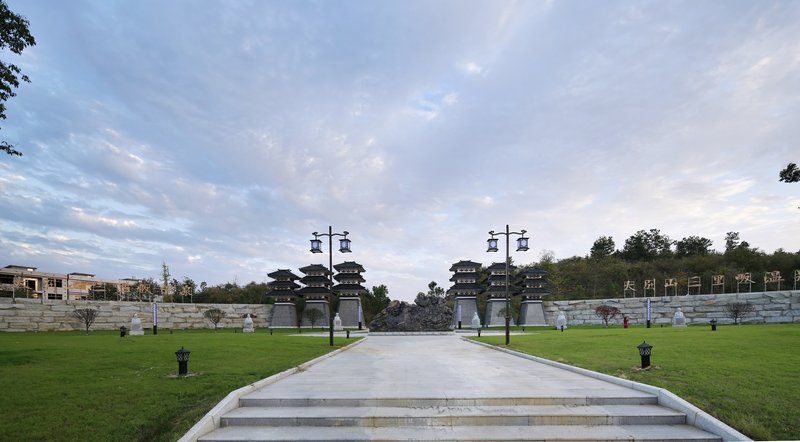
x: 441, y: 387
x: 435, y: 367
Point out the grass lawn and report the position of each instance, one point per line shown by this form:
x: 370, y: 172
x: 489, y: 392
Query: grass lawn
x: 748, y: 376
x: 66, y: 386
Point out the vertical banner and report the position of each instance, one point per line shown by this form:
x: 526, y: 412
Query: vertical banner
x: 155, y: 318
x: 458, y: 312
x: 360, y: 313
x: 648, y: 312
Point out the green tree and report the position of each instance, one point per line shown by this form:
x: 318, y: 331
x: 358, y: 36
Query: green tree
x: 15, y: 36
x: 603, y: 247
x: 313, y: 315
x: 647, y: 245
x: 791, y: 174
x: 435, y: 290
x: 693, y: 245
x: 165, y: 287
x: 731, y: 241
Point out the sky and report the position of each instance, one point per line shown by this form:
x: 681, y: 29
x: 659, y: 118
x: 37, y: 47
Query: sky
x: 216, y: 136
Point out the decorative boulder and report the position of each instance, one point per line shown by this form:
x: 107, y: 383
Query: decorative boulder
x: 428, y: 313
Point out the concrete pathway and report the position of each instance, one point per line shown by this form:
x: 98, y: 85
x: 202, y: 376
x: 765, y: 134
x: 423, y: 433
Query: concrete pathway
x: 444, y: 388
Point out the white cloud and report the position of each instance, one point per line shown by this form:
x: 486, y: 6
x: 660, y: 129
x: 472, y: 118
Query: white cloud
x: 418, y: 135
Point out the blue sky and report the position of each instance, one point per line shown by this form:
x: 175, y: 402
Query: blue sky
x: 216, y: 136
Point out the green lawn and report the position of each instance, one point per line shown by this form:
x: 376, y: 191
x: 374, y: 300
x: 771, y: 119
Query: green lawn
x: 747, y: 376
x: 68, y: 386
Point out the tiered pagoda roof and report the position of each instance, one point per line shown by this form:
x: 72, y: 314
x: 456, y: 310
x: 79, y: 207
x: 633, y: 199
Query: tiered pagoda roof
x: 465, y: 264
x: 349, y: 267
x: 465, y: 278
x: 283, y: 286
x: 497, y: 280
x: 534, y: 282
x: 316, y: 280
x: 315, y: 269
x: 349, y: 278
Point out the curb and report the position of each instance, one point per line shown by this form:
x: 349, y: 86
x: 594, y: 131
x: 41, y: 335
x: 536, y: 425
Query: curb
x: 694, y: 415
x: 211, y: 420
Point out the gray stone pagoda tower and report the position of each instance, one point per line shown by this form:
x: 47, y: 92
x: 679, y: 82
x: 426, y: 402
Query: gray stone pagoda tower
x: 316, y: 292
x: 496, y: 292
x: 349, y: 289
x: 283, y: 290
x: 464, y: 290
x: 534, y: 287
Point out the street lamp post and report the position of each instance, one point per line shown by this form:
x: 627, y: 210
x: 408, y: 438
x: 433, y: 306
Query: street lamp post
x: 344, y: 247
x: 522, y: 246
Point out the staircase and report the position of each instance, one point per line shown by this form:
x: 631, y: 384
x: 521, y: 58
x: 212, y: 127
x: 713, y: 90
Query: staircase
x: 487, y: 419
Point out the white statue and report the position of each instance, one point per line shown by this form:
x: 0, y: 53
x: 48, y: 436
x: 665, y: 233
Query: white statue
x: 337, y: 323
x: 476, y: 321
x: 136, y: 326
x: 678, y: 320
x: 561, y: 321
x: 248, y: 325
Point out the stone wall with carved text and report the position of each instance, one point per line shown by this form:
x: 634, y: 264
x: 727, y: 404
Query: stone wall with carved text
x: 32, y: 315
x: 769, y: 307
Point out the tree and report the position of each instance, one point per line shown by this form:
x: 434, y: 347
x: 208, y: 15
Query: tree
x: 602, y: 247
x: 435, y: 290
x: 214, y: 315
x: 737, y: 310
x: 313, y: 315
x: 646, y: 245
x: 165, y: 288
x: 606, y: 313
x: 15, y: 36
x: 731, y: 241
x: 87, y: 315
x: 791, y: 174
x: 693, y: 245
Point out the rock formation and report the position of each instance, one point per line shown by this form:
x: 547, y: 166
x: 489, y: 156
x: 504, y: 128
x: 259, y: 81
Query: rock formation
x: 428, y: 313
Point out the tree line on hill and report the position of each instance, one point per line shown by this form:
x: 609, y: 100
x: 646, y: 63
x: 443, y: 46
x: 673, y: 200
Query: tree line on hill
x: 650, y: 254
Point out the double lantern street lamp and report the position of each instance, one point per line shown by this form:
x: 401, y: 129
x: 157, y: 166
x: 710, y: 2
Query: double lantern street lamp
x: 522, y: 246
x: 344, y: 247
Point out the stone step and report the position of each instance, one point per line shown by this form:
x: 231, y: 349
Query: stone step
x: 256, y: 401
x: 456, y: 415
x: 463, y: 433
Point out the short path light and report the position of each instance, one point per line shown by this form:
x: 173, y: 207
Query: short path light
x: 713, y: 325
x: 183, y: 361
x: 122, y: 331
x: 644, y: 352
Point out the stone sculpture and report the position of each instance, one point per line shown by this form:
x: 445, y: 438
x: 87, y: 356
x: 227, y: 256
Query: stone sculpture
x: 337, y: 323
x: 248, y: 325
x: 428, y: 313
x: 678, y: 320
x: 561, y: 321
x: 476, y: 321
x: 136, y: 326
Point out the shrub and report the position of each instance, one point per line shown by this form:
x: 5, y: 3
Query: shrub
x: 606, y: 313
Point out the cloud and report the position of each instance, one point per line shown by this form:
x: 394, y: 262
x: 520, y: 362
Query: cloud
x: 217, y: 139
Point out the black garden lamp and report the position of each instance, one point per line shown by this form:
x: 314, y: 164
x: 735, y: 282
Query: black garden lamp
x: 713, y: 325
x: 122, y: 331
x: 316, y: 247
x: 183, y: 361
x: 644, y: 351
x: 522, y: 246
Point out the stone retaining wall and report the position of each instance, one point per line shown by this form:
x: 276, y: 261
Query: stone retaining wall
x: 32, y: 315
x: 770, y: 307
